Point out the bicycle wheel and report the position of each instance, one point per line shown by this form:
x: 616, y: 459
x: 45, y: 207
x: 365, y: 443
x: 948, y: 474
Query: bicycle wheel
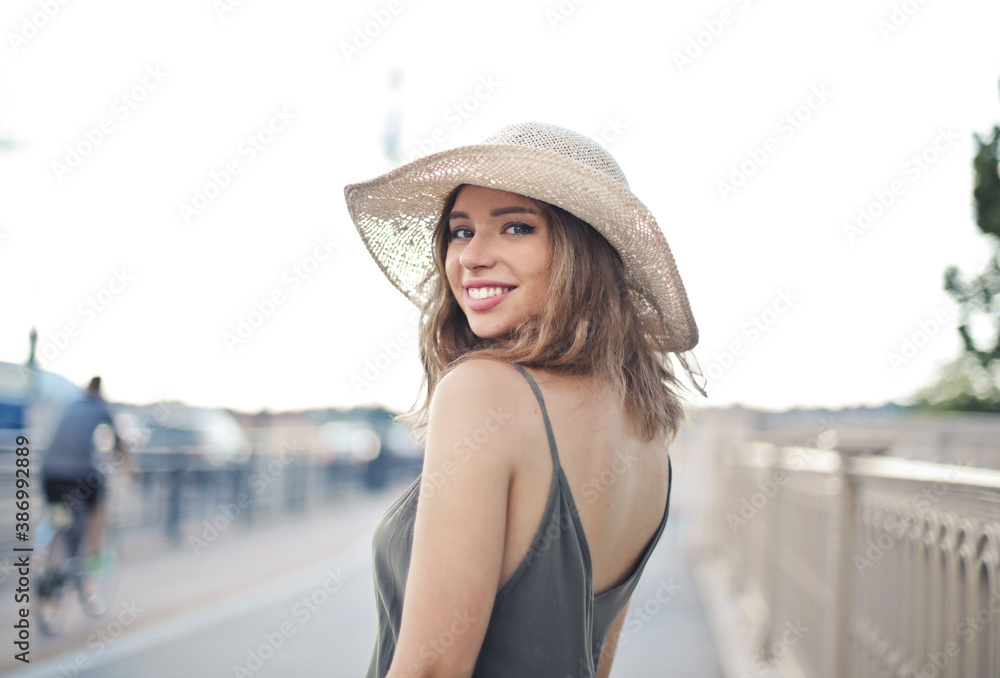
x: 51, y: 586
x: 98, y: 577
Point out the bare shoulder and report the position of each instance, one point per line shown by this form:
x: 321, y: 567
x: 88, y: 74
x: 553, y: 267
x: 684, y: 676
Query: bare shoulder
x: 482, y: 370
x: 477, y: 402
x: 479, y: 382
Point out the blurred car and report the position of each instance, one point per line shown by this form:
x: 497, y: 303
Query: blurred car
x: 33, y: 400
x: 192, y: 438
x: 348, y: 442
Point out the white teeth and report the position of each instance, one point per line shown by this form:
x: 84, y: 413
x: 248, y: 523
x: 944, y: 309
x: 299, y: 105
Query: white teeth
x: 487, y: 292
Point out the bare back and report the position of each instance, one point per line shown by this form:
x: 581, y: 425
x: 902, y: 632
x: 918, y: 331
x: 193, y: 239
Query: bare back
x: 619, y: 481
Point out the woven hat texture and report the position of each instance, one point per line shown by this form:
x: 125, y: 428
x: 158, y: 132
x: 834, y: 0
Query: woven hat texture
x: 396, y: 213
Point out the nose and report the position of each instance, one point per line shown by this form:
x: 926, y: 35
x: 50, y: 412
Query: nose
x: 478, y: 252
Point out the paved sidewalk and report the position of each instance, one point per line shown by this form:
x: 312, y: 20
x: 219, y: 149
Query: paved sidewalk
x: 243, y: 601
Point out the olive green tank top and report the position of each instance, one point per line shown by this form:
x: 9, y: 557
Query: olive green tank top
x: 546, y: 621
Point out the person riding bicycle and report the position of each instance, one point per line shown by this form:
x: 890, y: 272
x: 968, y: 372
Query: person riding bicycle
x: 70, y: 473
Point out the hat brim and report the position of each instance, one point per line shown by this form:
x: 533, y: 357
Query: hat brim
x: 395, y: 215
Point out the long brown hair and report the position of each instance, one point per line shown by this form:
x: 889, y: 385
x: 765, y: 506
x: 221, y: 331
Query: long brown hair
x: 589, y: 326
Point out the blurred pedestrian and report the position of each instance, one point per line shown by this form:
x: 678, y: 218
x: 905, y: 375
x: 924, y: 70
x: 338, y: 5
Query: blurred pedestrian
x: 70, y: 472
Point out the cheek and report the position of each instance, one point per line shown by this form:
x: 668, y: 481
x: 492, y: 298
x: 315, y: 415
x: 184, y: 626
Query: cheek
x: 453, y: 272
x: 540, y: 268
x: 543, y: 294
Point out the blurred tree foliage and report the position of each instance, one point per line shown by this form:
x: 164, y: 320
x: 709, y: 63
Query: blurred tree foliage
x: 970, y: 383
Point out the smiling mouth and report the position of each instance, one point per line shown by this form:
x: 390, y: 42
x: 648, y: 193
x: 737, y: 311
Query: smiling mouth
x: 487, y: 292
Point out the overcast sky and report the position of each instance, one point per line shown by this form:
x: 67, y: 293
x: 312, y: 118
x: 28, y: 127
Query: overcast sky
x: 180, y: 166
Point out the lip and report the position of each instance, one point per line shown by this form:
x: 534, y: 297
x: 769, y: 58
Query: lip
x: 486, y: 283
x: 485, y: 304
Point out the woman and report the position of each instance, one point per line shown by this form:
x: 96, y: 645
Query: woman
x: 550, y: 301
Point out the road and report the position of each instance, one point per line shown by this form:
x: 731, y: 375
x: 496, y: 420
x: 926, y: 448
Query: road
x: 295, y: 598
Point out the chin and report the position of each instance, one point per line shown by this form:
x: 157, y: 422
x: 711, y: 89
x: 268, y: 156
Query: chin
x: 496, y: 328
x: 489, y: 329
x: 489, y: 332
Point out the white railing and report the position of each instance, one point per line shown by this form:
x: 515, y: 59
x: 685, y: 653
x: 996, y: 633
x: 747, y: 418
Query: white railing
x: 856, y: 567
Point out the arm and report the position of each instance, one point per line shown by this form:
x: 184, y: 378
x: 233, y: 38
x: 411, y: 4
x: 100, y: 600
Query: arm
x: 121, y: 453
x: 611, y: 644
x: 460, y: 525
x: 125, y: 457
x: 120, y: 450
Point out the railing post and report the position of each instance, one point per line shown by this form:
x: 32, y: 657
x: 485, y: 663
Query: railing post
x: 844, y: 593
x: 174, y: 503
x: 293, y: 486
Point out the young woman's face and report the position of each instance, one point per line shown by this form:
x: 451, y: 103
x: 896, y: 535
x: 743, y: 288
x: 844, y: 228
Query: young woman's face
x: 498, y: 240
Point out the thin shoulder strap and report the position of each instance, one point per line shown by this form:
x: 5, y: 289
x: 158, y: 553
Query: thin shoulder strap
x: 545, y: 415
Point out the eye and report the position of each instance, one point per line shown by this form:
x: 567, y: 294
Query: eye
x: 522, y: 228
x: 455, y: 233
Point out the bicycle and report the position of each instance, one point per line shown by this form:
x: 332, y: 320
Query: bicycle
x: 95, y: 582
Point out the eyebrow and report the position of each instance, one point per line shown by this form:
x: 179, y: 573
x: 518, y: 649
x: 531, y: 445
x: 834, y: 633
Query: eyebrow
x: 498, y: 212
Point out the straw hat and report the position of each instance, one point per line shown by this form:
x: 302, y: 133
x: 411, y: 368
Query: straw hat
x: 396, y: 214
